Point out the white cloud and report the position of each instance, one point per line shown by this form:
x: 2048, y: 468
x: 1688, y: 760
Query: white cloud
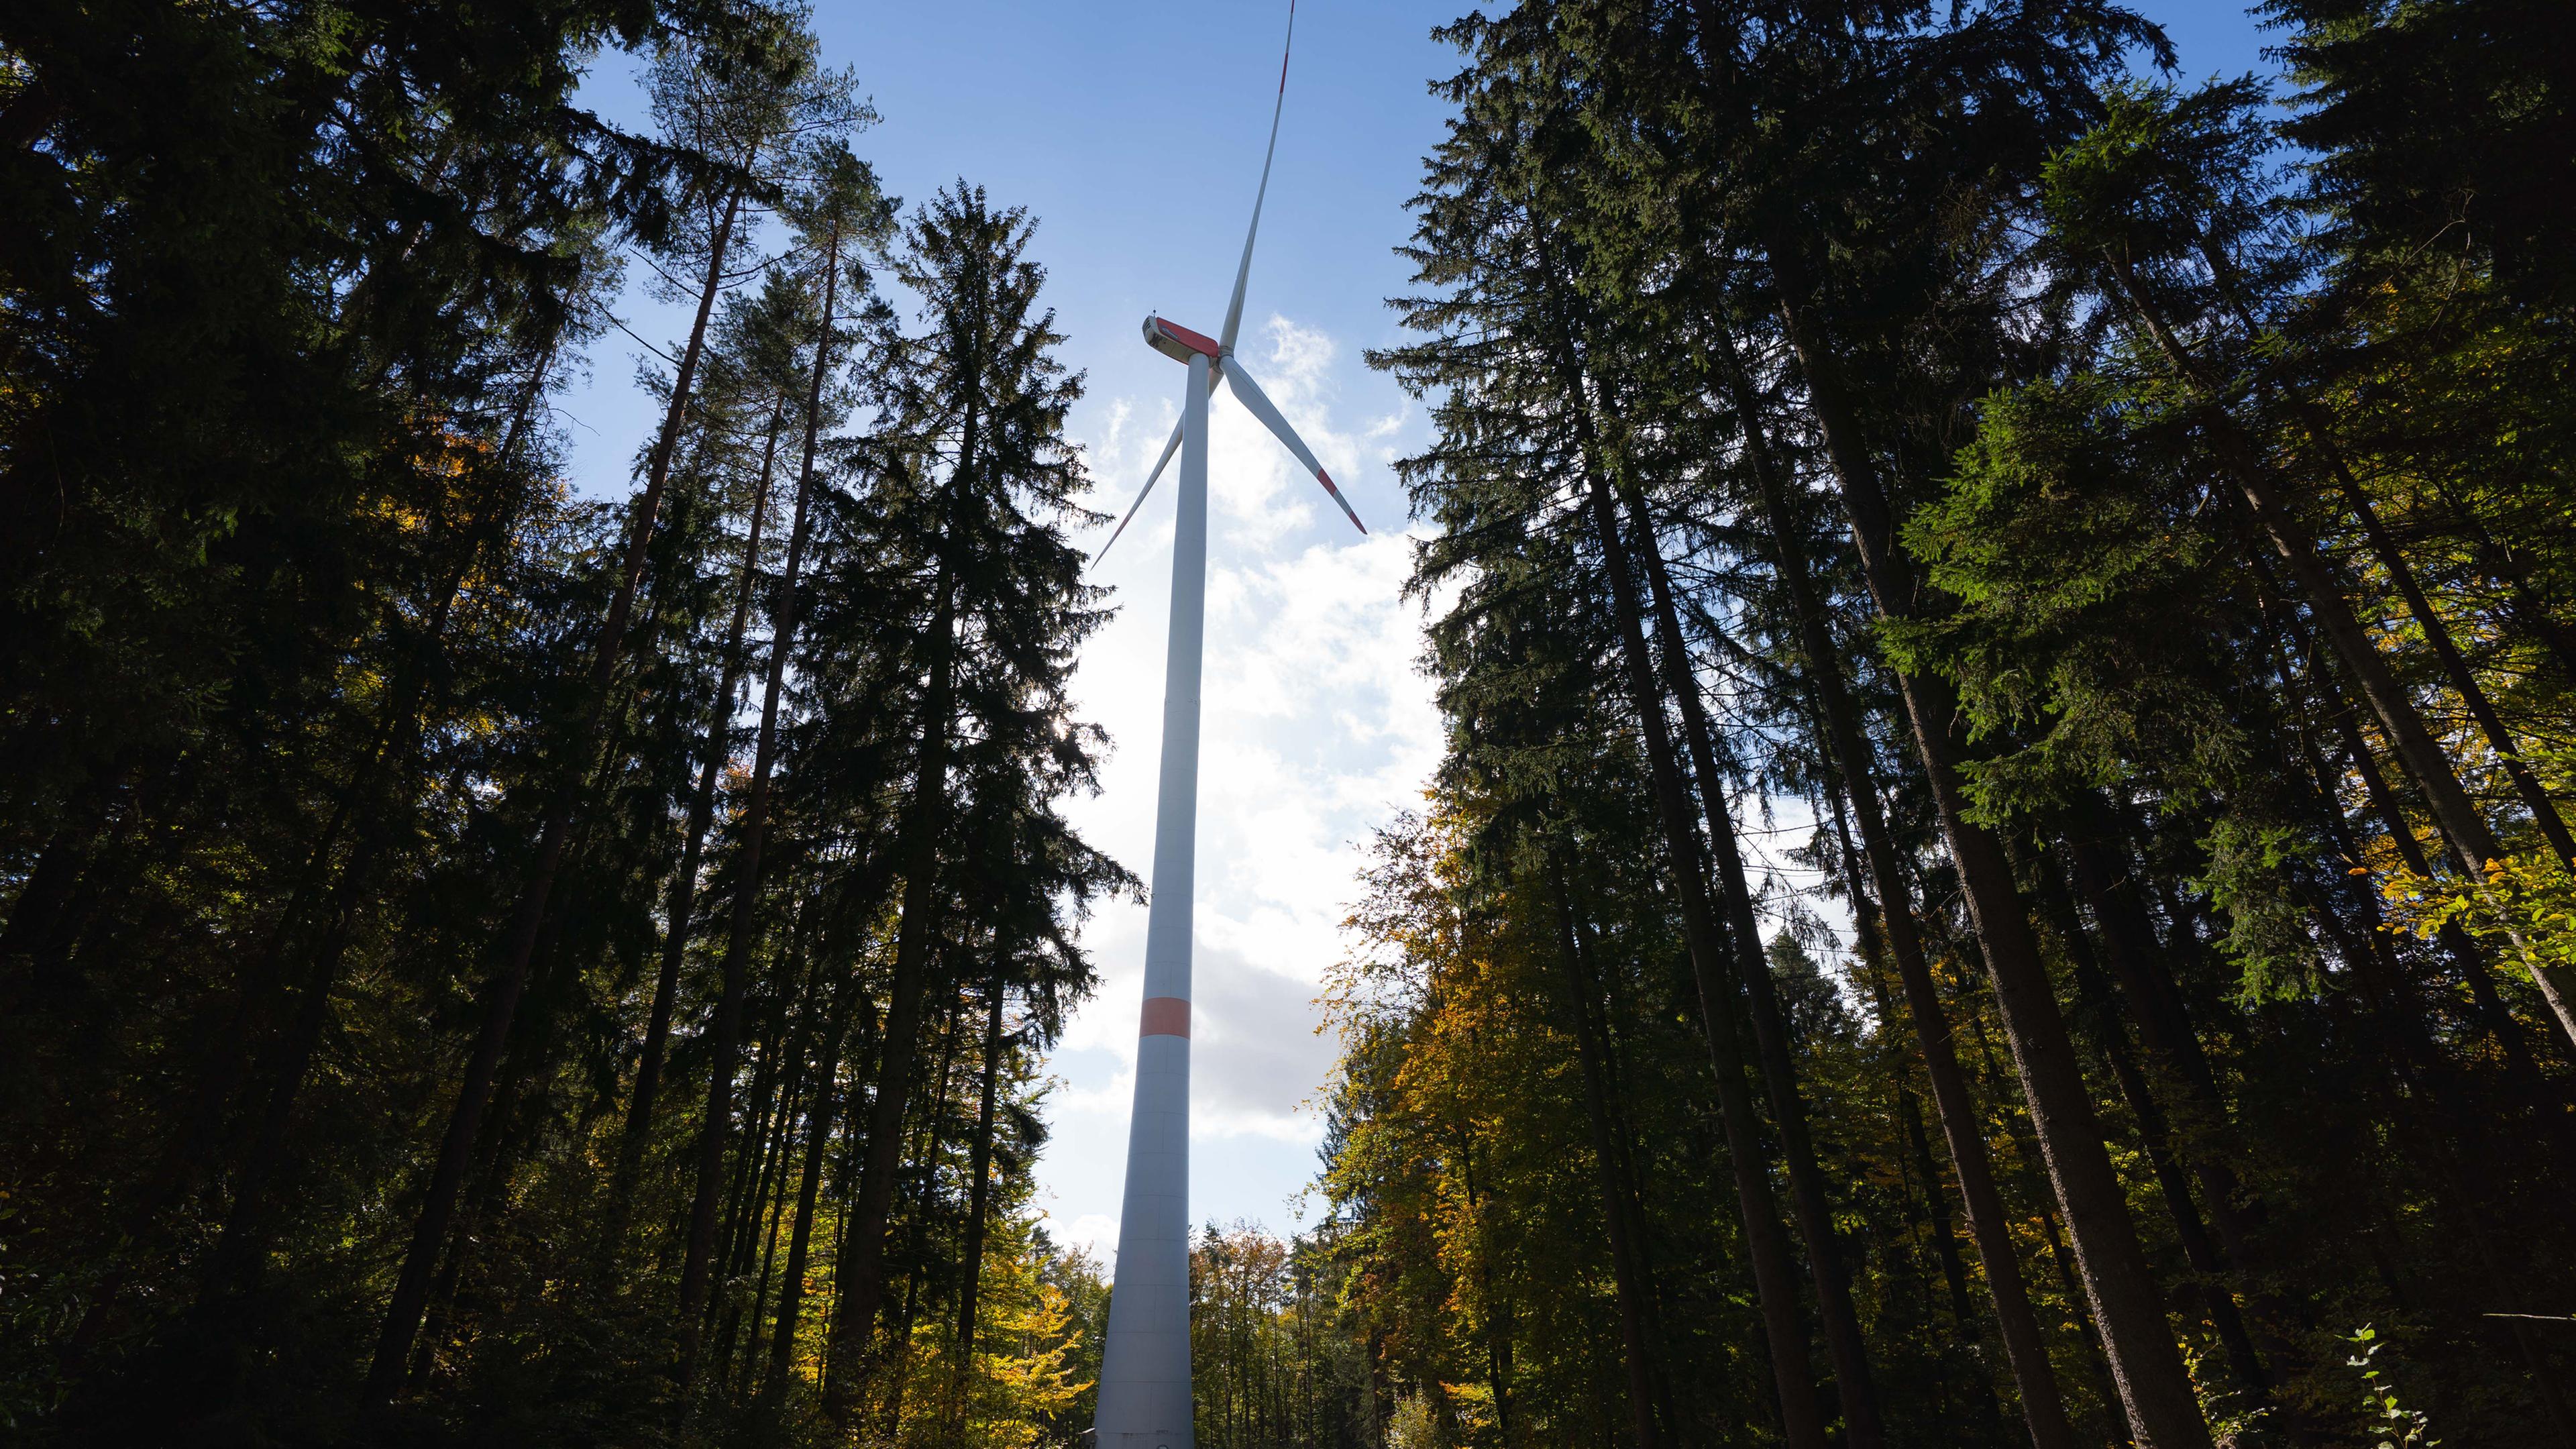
x: 1094, y: 1233
x: 1253, y: 1032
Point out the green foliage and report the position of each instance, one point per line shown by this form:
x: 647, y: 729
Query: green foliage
x: 2252, y: 876
x: 2440, y: 126
x: 2524, y: 903
x: 2163, y: 173
x: 2067, y: 540
x: 2025, y: 323
x: 2397, y: 1426
x: 303, y: 631
x: 1888, y: 414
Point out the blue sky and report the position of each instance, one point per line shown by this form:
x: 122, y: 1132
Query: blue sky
x: 1133, y: 133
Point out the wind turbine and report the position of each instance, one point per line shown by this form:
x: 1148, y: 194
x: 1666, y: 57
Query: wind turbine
x: 1144, y: 1398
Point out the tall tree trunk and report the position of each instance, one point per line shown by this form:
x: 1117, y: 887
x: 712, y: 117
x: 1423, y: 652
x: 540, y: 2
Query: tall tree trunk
x: 757, y: 1171
x: 679, y: 908
x: 1813, y: 1208
x: 2213, y: 1267
x: 2446, y: 650
x: 860, y: 1278
x: 979, y: 1173
x: 934, y: 1144
x: 1616, y: 1204
x: 774, y: 1194
x: 501, y: 994
x: 752, y: 1313
x: 2026, y: 1159
x: 483, y: 1208
x: 2165, y: 1030
x: 1870, y: 928
x: 2320, y: 429
x: 818, y: 1136
x: 778, y: 1075
x: 247, y: 1225
x: 2437, y: 631
x: 2493, y: 1016
x: 1613, y: 1024
x: 1775, y: 1278
x: 2527, y: 606
x: 250, y: 1222
x: 2488, y: 1008
x: 725, y: 1039
x: 2154, y: 1389
x: 1962, y: 1127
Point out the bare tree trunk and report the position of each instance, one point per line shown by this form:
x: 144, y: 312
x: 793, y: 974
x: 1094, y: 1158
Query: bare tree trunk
x: 1869, y: 926
x: 501, y: 994
x: 2491, y: 1014
x: 2024, y: 1155
x: 778, y: 1076
x: 934, y: 1142
x: 483, y: 1207
x: 2043, y: 1406
x: 2521, y: 1068
x: 725, y: 1039
x: 2154, y: 1389
x: 979, y: 1173
x: 2165, y: 1030
x: 1775, y: 1279
x: 776, y: 1197
x: 680, y: 907
x: 860, y: 1277
x: 2213, y: 1267
x: 1813, y: 1208
x: 1616, y: 1204
x: 818, y: 1136
x: 758, y: 1175
x: 2464, y: 681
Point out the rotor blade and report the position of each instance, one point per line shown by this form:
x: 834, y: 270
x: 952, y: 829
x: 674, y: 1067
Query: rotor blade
x: 1249, y: 393
x: 1243, y: 273
x: 1159, y: 464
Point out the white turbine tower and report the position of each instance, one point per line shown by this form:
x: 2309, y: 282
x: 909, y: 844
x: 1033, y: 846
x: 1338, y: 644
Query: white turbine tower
x: 1145, y: 1361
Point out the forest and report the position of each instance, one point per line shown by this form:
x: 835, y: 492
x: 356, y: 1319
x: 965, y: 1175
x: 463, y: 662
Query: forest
x: 484, y: 964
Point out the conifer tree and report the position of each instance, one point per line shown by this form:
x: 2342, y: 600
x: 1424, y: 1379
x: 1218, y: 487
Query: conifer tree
x: 966, y: 519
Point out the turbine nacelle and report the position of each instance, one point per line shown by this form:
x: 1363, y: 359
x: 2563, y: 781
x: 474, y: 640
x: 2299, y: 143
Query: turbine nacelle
x: 1179, y: 343
x: 1182, y: 345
